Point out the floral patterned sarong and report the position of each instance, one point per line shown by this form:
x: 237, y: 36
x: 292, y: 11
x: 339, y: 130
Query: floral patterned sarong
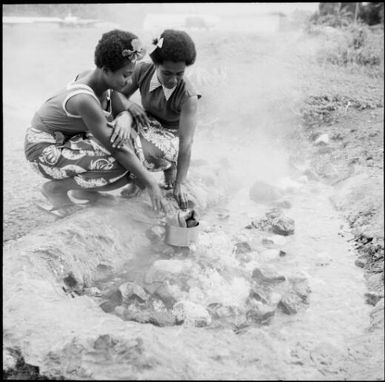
x: 160, y: 146
x: 80, y: 157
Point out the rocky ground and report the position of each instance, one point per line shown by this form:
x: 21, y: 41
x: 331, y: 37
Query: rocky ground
x: 348, y: 153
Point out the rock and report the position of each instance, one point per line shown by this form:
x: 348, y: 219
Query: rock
x: 267, y: 276
x: 191, y: 313
x: 108, y: 306
x: 120, y: 311
x: 137, y: 316
x: 162, y: 319
x: 282, y: 253
x: 93, y: 292
x: 132, y: 292
x: 259, y: 295
x: 242, y: 247
x: 276, y: 222
x: 113, y: 294
x: 155, y: 233
x: 360, y: 263
x: 322, y: 139
x: 283, y: 226
x: 262, y: 192
x: 164, y: 293
x: 264, y: 295
x: 114, y: 298
x: 301, y: 288
x: 260, y: 313
x: 151, y: 316
x: 219, y: 311
x: 372, y: 298
x: 70, y: 281
x: 297, y: 295
x: 290, y: 303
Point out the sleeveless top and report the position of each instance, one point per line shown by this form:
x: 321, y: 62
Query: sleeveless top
x: 167, y: 112
x: 54, y: 119
x: 53, y: 116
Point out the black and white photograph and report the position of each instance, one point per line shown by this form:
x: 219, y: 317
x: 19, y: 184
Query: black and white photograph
x: 193, y: 191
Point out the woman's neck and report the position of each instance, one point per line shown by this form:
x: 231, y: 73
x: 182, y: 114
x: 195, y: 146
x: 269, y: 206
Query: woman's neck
x: 95, y: 81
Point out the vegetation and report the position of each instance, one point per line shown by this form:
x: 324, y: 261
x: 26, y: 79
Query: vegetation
x: 343, y: 14
x: 354, y: 34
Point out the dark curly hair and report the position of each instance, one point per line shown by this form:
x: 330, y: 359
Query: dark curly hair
x: 108, y: 52
x: 177, y: 46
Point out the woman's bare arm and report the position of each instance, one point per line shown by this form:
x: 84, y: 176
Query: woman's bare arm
x: 187, y: 125
x: 120, y: 102
x: 96, y: 122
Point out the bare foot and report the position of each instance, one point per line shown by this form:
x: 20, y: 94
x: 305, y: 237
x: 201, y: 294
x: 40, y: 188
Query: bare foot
x: 169, y: 177
x: 56, y: 194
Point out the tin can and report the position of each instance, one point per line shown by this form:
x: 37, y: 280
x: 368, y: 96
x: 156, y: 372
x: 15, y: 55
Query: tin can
x: 181, y: 236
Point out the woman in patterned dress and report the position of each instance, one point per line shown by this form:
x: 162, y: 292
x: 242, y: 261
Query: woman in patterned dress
x: 73, y: 142
x: 166, y: 122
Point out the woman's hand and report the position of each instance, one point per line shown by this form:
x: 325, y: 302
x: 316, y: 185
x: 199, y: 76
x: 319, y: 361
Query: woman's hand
x: 181, y: 196
x: 157, y: 200
x: 138, y: 114
x: 121, y: 129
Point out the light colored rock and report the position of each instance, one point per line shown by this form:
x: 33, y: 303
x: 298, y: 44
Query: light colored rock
x: 283, y: 225
x: 120, y: 311
x: 165, y: 293
x: 290, y: 303
x: 191, y: 314
x: 93, y: 291
x: 322, y: 139
x: 131, y: 291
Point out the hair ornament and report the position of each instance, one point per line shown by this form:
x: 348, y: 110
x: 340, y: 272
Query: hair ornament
x: 157, y: 43
x: 137, y: 52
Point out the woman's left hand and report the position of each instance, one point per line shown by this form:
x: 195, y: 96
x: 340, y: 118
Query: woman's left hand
x: 121, y: 129
x: 181, y: 196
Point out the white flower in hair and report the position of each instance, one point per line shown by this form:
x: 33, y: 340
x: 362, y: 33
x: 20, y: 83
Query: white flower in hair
x: 157, y: 44
x: 137, y: 52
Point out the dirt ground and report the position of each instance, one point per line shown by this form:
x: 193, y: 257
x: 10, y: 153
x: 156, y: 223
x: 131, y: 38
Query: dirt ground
x: 352, y: 161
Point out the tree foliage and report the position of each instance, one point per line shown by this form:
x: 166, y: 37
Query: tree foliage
x: 343, y: 14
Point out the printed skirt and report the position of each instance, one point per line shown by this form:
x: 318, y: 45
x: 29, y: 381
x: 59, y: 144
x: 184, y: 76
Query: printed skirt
x: 80, y: 157
x: 159, y: 145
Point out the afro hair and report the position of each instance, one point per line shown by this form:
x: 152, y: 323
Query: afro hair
x: 108, y: 52
x: 177, y: 46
